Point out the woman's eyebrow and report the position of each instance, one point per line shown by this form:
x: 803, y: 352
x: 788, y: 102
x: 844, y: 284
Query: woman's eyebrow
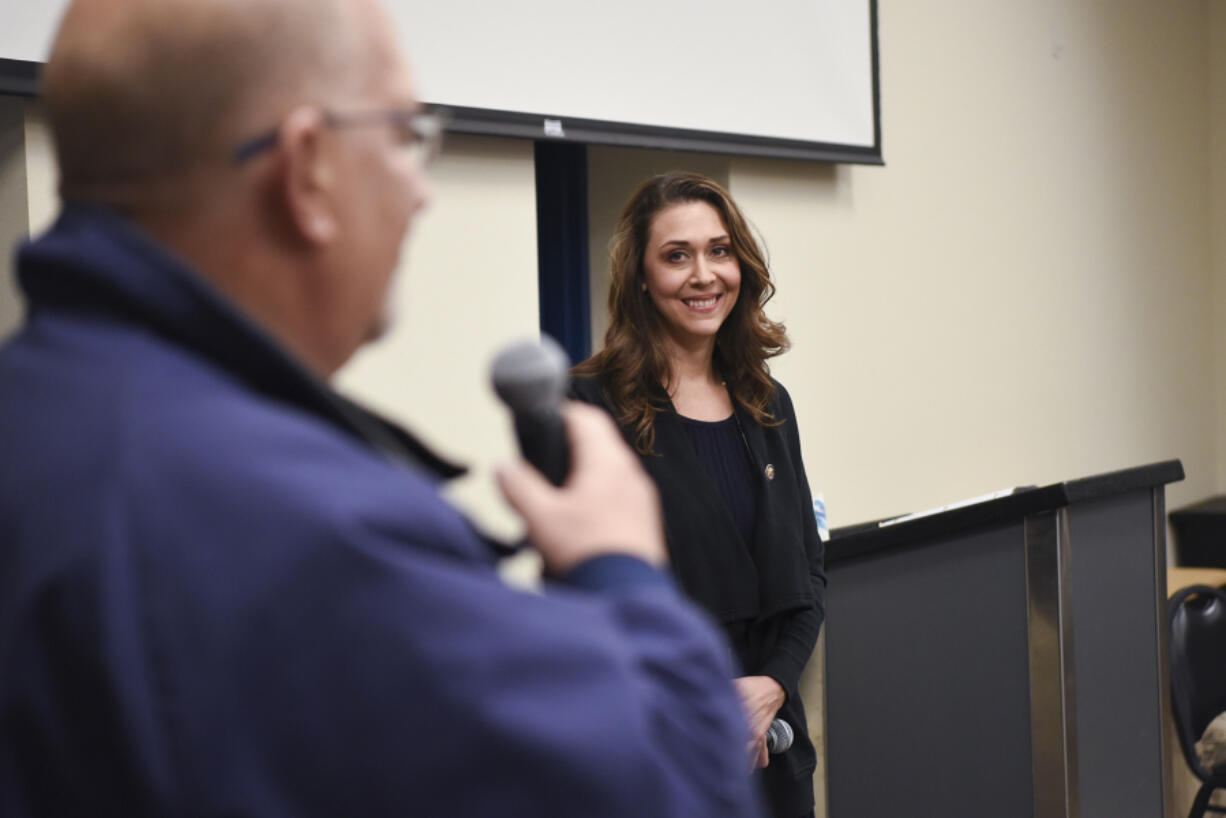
x: 686, y: 243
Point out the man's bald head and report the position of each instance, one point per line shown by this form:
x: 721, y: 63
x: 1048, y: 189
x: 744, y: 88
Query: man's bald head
x: 141, y: 93
x: 148, y: 100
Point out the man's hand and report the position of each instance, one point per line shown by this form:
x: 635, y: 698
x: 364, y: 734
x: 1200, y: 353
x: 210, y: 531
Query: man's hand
x: 608, y: 504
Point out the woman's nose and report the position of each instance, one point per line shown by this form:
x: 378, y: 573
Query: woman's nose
x: 701, y: 274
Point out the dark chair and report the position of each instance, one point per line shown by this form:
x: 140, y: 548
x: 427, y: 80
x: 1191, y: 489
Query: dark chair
x: 1197, y: 619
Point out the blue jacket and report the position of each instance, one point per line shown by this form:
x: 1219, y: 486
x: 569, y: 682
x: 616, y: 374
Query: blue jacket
x: 225, y: 590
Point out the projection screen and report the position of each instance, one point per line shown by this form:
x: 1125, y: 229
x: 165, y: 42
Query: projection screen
x: 784, y: 78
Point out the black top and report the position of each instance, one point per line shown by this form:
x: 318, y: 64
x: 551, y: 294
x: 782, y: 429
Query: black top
x: 721, y: 450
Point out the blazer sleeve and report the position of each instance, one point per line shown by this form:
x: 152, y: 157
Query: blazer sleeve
x: 799, y: 629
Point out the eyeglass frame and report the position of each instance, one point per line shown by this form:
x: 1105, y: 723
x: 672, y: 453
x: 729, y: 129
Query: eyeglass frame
x: 425, y: 127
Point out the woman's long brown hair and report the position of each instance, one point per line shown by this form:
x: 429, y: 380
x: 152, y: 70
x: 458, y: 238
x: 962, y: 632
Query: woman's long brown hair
x: 632, y: 366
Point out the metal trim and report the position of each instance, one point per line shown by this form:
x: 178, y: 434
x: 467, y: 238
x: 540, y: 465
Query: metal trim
x: 821, y: 805
x: 556, y: 127
x: 1166, y: 748
x: 1052, y: 679
x: 20, y: 78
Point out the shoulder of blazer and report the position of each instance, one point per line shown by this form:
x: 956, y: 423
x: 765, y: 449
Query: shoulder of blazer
x: 588, y: 389
x: 592, y: 389
x: 780, y: 409
x: 785, y: 427
x: 781, y: 400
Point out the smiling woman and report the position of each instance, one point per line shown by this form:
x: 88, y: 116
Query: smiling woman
x: 684, y: 372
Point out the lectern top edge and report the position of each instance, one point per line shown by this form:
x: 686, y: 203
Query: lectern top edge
x: 860, y: 540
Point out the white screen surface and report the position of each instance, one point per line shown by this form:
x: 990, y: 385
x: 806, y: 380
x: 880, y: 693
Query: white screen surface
x: 26, y: 28
x: 797, y: 70
x: 791, y: 69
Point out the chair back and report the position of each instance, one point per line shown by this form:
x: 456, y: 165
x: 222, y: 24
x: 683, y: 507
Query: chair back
x: 1197, y: 620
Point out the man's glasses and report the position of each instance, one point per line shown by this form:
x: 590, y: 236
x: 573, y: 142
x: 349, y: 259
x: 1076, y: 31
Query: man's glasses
x: 418, y: 131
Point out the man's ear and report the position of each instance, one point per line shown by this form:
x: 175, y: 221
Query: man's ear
x: 309, y: 179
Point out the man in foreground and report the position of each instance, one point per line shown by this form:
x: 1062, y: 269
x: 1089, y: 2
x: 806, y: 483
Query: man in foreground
x: 226, y: 590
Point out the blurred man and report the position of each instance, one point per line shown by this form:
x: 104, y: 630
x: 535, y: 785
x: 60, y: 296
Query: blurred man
x: 226, y: 590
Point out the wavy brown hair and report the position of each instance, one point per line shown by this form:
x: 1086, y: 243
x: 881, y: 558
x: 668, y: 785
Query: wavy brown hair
x: 632, y: 366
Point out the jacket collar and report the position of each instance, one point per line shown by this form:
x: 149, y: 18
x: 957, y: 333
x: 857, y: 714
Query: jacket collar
x: 92, y: 260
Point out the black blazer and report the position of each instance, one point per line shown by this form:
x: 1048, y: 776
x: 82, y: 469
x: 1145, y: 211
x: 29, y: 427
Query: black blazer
x: 768, y: 594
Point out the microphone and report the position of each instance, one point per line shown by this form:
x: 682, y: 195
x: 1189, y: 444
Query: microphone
x: 531, y: 380
x: 779, y: 737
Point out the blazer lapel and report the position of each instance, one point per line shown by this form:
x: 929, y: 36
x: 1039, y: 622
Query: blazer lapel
x: 778, y: 533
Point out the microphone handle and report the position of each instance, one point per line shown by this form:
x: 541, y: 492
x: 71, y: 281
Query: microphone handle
x: 542, y: 439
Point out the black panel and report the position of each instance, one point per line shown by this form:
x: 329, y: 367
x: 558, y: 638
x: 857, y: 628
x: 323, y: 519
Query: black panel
x: 927, y: 681
x: 1115, y: 643
x: 562, y: 246
x: 1200, y: 533
x: 20, y: 78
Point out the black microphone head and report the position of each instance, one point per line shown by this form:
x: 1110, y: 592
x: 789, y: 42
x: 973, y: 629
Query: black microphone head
x: 531, y: 375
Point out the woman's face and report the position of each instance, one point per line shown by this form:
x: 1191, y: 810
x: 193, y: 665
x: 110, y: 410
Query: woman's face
x: 690, y: 271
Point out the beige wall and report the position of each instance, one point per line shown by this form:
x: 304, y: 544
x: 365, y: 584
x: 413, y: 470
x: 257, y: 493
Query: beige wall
x: 1217, y: 143
x: 28, y: 200
x: 42, y: 175
x: 467, y: 286
x: 1187, y: 783
x: 14, y: 205
x: 1024, y: 294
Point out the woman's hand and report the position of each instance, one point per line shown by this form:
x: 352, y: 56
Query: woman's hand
x: 759, y: 757
x: 761, y: 696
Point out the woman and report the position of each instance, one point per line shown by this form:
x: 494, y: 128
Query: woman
x: 684, y: 373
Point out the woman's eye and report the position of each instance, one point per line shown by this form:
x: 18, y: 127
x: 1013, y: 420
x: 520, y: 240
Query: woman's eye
x: 675, y: 257
x: 721, y: 251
